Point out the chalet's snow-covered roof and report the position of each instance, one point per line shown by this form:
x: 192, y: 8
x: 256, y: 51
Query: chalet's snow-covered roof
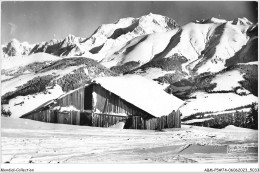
x: 141, y: 92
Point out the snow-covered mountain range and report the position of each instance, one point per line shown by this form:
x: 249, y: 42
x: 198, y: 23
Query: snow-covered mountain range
x: 14, y: 48
x: 105, y: 38
x: 211, y: 63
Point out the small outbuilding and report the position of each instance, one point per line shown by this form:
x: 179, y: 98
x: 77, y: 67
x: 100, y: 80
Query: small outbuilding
x: 135, y: 101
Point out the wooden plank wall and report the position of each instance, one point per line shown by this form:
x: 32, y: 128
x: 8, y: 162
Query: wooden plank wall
x: 51, y: 116
x: 75, y: 99
x: 105, y: 120
x: 76, y: 118
x: 171, y: 121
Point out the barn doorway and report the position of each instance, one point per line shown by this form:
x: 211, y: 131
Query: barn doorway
x: 88, y: 97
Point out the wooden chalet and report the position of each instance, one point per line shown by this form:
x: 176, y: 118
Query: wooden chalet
x: 137, y: 102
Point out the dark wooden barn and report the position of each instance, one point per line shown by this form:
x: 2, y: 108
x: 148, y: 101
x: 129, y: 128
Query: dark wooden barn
x: 136, y: 102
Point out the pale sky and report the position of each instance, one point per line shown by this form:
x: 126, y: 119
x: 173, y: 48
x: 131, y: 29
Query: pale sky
x: 36, y: 21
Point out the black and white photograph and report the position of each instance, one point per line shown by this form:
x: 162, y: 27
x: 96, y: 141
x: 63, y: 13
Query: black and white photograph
x: 146, y: 86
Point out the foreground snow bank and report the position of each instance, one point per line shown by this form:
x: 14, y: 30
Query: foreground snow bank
x: 27, y: 141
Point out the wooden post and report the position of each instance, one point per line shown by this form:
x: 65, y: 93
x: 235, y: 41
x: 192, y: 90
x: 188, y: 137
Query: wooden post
x: 58, y: 118
x: 107, y: 120
x: 94, y: 119
x: 159, y: 127
x: 162, y: 122
x: 153, y: 124
x: 142, y: 123
x: 48, y: 115
x: 98, y: 120
x: 70, y: 117
x: 173, y: 119
x: 133, y: 122
x: 104, y: 120
x: 136, y: 122
x: 113, y: 120
x: 178, y: 118
x: 165, y: 122
x: 168, y: 122
x: 78, y: 118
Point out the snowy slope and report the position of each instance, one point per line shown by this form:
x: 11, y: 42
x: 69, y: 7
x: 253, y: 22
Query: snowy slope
x: 188, y: 42
x: 16, y: 81
x: 206, y: 45
x: 248, y: 52
x: 233, y: 88
x: 141, y: 49
x: 227, y: 81
x: 214, y: 102
x: 230, y: 38
x: 107, y: 37
x: 128, y: 28
x: 22, y: 60
x: 32, y: 84
x: 23, y: 104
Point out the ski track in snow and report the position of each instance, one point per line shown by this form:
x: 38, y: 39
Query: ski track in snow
x: 27, y: 141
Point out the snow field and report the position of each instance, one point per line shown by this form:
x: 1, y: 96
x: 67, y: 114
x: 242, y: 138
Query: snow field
x: 214, y: 102
x: 228, y: 80
x: 23, y: 104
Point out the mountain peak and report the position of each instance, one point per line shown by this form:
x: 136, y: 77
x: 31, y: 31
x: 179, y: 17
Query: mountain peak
x: 14, y: 40
x: 152, y: 15
x: 210, y: 20
x: 216, y: 20
x: 70, y: 40
x: 241, y: 21
x: 158, y: 20
x: 122, y: 20
x: 71, y: 36
x: 15, y: 47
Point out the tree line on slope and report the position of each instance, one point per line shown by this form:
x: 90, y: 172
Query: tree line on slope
x: 239, y: 119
